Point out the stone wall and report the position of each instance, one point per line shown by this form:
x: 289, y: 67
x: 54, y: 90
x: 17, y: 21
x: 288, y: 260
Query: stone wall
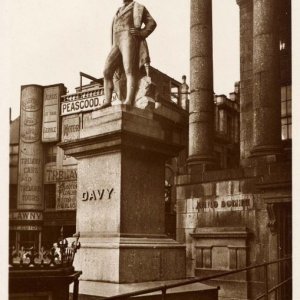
x: 226, y: 223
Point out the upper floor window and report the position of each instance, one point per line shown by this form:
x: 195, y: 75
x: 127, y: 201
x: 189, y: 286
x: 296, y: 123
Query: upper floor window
x: 13, y: 196
x: 282, y: 45
x: 50, y: 154
x: 14, y: 149
x: 50, y: 195
x: 13, y: 155
x: 286, y: 112
x: 174, y: 93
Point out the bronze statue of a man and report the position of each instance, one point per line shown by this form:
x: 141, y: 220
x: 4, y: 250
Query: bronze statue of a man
x: 129, y: 49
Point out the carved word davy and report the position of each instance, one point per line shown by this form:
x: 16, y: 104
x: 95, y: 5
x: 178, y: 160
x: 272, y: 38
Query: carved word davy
x: 97, y: 195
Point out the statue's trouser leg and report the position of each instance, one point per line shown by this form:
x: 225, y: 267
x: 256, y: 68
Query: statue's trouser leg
x: 131, y: 88
x: 111, y: 64
x: 130, y: 55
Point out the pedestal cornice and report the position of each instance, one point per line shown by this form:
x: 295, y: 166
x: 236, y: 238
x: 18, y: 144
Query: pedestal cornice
x: 115, y: 141
x: 118, y: 128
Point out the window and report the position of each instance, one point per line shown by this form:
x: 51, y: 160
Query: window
x: 50, y: 155
x: 13, y: 196
x: 50, y: 195
x: 286, y: 112
x: 282, y: 45
x: 220, y: 120
x: 174, y: 93
x: 218, y: 159
x: 13, y: 154
x: 216, y: 118
x: 229, y: 127
x: 14, y: 149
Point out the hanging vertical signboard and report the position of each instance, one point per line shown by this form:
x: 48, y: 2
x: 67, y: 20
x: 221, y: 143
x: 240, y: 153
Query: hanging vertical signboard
x: 51, y: 113
x: 30, y: 177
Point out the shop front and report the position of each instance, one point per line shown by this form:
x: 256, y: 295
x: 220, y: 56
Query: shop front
x: 25, y: 229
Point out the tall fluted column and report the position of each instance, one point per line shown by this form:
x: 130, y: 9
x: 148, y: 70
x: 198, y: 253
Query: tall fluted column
x: 246, y: 74
x: 266, y: 79
x: 201, y: 118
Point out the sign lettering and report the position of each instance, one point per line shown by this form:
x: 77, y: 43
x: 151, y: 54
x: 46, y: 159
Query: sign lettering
x: 30, y: 179
x: 55, y: 175
x: 84, y: 104
x: 230, y: 203
x: 94, y: 195
x: 26, y: 227
x: 50, y: 132
x: 66, y: 195
x: 70, y: 128
x: 26, y: 216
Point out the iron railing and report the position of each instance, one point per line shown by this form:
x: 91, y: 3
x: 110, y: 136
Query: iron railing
x: 61, y: 256
x: 267, y: 290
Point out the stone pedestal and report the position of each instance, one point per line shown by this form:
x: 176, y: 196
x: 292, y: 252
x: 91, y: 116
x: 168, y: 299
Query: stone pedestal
x: 121, y: 156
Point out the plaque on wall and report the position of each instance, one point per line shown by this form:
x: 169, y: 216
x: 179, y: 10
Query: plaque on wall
x: 66, y: 198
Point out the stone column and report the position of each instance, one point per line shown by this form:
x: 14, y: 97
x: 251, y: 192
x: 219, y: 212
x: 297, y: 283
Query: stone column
x: 266, y: 79
x: 201, y: 119
x: 246, y: 73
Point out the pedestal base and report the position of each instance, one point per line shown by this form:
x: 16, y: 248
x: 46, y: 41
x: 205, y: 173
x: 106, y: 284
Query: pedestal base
x: 91, y: 290
x: 128, y: 260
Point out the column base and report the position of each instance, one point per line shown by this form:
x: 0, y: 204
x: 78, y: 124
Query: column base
x: 270, y: 152
x: 200, y: 163
x: 130, y: 259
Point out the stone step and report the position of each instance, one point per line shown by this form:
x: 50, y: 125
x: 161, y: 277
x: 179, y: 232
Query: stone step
x: 92, y: 290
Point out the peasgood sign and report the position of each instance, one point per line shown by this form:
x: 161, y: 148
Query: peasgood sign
x: 83, y: 105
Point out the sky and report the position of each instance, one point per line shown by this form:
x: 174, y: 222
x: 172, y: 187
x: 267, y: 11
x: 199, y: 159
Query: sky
x: 52, y: 41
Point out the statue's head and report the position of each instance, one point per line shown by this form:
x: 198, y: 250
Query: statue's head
x: 126, y: 2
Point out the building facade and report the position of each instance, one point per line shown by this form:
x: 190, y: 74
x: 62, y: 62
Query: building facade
x: 43, y: 180
x: 54, y: 174
x: 241, y: 215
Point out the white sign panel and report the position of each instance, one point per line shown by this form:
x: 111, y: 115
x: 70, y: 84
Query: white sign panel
x: 50, y: 131
x: 84, y: 104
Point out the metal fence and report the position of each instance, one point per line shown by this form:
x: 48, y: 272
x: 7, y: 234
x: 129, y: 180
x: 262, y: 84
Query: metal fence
x: 268, y: 290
